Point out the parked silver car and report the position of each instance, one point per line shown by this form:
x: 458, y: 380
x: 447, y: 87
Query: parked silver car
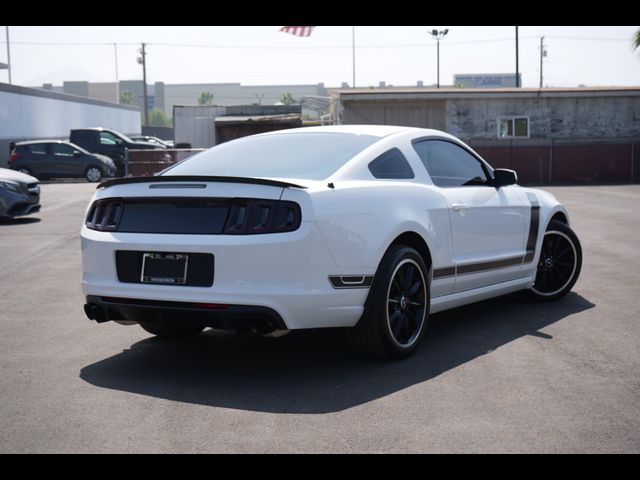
x: 19, y: 194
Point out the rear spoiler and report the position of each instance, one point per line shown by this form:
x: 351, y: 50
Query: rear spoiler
x: 197, y: 178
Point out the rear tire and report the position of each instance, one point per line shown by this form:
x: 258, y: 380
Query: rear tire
x: 167, y: 330
x: 93, y: 174
x: 397, y: 308
x: 559, y: 264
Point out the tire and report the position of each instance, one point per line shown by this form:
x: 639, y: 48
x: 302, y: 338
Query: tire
x: 93, y: 174
x: 559, y: 264
x: 397, y: 308
x: 167, y: 330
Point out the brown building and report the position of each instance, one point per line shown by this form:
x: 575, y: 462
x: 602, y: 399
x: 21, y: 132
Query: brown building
x: 550, y: 135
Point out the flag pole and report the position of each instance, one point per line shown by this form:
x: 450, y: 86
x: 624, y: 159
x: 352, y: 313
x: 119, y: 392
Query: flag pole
x: 353, y: 49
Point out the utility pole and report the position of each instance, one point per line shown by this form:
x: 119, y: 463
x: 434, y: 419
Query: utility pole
x: 353, y: 53
x: 6, y: 29
x: 438, y: 35
x: 543, y: 53
x: 517, y: 62
x: 115, y: 51
x: 142, y: 59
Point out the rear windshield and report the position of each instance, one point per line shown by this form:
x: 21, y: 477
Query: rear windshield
x: 313, y: 156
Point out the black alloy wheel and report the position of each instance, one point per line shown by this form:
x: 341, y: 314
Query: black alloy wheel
x: 397, y: 307
x: 559, y: 264
x: 406, y: 302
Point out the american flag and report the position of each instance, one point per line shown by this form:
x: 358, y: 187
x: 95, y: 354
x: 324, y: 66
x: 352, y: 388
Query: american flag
x: 299, y: 31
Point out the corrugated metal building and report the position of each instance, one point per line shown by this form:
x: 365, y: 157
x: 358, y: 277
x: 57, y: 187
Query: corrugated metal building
x: 32, y: 114
x: 550, y: 135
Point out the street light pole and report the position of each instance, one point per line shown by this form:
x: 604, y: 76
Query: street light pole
x: 517, y: 61
x: 438, y: 35
x: 115, y: 51
x: 6, y: 29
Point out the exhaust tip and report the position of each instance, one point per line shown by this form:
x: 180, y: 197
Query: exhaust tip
x: 265, y: 327
x: 95, y: 312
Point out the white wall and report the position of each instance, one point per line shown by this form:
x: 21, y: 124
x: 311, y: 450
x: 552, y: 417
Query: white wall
x: 194, y: 125
x: 35, y: 117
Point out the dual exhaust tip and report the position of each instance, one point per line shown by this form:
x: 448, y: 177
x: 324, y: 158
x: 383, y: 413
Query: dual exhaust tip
x: 258, y: 324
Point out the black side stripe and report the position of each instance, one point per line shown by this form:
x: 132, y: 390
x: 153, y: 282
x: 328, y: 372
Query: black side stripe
x: 351, y: 281
x: 439, y: 273
x: 534, y: 225
x: 485, y: 266
x: 444, y: 272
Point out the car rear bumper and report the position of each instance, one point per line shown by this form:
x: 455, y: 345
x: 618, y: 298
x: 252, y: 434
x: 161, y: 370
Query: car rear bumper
x: 104, y: 309
x: 285, y: 275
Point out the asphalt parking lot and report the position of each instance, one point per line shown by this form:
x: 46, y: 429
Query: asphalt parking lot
x: 500, y: 376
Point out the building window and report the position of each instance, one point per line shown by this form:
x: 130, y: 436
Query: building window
x: 513, y: 127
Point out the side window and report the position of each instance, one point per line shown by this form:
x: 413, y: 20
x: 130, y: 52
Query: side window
x: 61, y: 150
x: 107, y: 139
x: 392, y: 165
x: 38, y: 149
x: 450, y: 165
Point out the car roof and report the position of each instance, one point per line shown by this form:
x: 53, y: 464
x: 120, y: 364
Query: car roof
x: 36, y: 142
x: 373, y: 130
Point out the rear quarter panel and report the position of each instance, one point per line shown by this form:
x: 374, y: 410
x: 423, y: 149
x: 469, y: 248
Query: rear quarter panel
x: 360, y: 219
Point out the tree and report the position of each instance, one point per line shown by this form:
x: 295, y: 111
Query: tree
x: 205, y: 98
x: 287, y: 99
x: 127, y: 98
x: 636, y: 40
x: 157, y: 118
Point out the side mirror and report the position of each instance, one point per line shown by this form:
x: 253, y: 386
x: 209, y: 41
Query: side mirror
x: 503, y: 177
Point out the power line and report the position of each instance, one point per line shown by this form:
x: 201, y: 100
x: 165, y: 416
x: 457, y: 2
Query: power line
x: 262, y: 47
x: 585, y: 65
x: 596, y: 39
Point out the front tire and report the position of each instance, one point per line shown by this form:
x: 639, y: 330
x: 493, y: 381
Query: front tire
x: 168, y: 330
x: 397, y: 308
x: 559, y: 264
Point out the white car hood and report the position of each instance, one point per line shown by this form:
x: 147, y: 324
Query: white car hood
x: 6, y: 174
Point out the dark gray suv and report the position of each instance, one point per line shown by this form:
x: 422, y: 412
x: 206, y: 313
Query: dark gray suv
x: 60, y: 159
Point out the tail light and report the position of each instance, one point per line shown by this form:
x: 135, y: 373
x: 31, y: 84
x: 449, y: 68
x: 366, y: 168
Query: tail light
x: 246, y: 216
x: 253, y: 216
x: 14, y: 156
x: 104, y: 215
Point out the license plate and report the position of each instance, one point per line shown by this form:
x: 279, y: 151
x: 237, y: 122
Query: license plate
x: 165, y: 268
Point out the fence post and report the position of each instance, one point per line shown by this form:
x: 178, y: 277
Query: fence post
x: 632, y: 161
x: 551, y: 161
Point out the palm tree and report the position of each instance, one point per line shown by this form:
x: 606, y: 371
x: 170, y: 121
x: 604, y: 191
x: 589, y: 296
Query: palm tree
x: 287, y: 99
x: 636, y: 40
x: 127, y: 98
x: 205, y: 98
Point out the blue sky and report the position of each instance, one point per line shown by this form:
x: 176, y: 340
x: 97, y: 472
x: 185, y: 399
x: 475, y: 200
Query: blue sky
x: 596, y: 55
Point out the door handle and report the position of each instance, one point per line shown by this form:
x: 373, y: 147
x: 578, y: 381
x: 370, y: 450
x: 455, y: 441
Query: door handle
x: 458, y: 207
